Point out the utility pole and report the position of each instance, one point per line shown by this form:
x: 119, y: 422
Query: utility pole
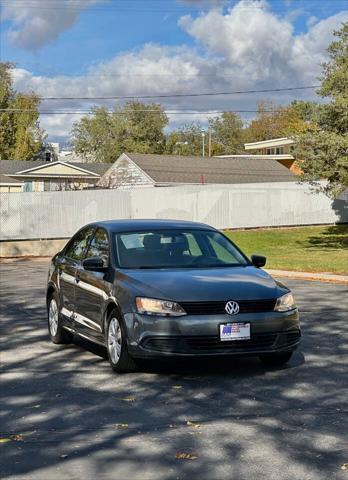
x: 209, y: 144
x: 203, y: 136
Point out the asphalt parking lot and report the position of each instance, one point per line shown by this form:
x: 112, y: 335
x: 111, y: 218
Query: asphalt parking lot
x: 66, y: 415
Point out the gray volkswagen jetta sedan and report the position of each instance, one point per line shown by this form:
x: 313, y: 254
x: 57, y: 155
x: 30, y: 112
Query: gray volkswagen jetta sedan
x: 166, y: 288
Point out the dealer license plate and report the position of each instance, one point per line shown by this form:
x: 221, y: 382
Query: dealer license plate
x: 234, y: 331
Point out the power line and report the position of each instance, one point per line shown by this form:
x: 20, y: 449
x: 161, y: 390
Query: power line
x: 181, y: 95
x: 158, y: 112
x: 51, y: 74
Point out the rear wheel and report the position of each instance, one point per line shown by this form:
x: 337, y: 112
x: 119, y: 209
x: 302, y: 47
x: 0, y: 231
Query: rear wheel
x: 116, y: 343
x: 276, y: 358
x: 56, y: 332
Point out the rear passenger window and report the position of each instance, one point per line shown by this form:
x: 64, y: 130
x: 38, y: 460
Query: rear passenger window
x: 99, y: 246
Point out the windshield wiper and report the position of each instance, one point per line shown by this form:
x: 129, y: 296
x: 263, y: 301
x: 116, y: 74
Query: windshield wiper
x: 219, y: 265
x: 144, y: 267
x: 192, y: 266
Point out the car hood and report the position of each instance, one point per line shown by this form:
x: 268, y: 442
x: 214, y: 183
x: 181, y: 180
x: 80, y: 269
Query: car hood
x: 215, y: 284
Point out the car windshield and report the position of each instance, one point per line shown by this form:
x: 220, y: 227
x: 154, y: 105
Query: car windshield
x: 176, y: 249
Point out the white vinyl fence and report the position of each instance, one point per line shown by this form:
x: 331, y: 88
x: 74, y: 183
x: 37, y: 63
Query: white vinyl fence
x: 44, y: 215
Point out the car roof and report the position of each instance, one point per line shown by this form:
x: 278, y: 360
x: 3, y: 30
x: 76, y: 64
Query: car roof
x: 150, y: 224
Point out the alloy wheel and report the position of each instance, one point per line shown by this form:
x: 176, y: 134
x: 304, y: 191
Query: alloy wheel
x: 53, y: 317
x: 114, y: 340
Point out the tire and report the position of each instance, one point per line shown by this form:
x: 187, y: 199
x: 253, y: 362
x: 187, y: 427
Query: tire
x: 56, y: 332
x: 116, y: 345
x: 276, y: 359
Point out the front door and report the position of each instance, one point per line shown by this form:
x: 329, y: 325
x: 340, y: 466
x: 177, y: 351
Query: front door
x: 68, y: 264
x: 92, y: 289
x: 66, y: 279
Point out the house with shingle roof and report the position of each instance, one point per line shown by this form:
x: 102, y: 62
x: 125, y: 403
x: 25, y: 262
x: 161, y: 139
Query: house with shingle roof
x: 138, y: 169
x: 10, y: 185
x: 279, y: 149
x: 40, y: 176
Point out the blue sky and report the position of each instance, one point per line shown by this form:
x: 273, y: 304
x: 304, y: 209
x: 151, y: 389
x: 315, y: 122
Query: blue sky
x: 204, y: 45
x: 105, y: 29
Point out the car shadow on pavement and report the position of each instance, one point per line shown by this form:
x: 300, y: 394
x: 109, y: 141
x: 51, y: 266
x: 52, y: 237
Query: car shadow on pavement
x: 65, y: 414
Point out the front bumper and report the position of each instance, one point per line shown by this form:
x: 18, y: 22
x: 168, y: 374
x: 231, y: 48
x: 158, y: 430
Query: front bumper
x: 198, y: 335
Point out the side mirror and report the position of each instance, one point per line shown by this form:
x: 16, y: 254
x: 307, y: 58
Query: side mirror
x: 258, y: 261
x: 94, y: 264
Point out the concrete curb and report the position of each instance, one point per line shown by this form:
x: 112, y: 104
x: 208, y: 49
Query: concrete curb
x: 27, y: 258
x: 311, y: 276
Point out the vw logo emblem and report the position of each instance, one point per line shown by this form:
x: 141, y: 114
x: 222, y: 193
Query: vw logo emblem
x: 232, y: 308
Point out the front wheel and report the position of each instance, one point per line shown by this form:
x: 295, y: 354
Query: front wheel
x: 276, y: 358
x: 119, y: 358
x: 56, y: 332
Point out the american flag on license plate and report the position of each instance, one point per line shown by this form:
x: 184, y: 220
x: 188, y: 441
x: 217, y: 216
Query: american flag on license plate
x: 231, y: 328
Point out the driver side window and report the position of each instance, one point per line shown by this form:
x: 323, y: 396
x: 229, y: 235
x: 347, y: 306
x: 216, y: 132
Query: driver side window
x: 77, y: 247
x: 99, y: 246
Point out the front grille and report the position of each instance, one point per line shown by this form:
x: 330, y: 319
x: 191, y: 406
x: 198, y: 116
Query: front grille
x: 288, y: 338
x: 257, y: 341
x: 293, y: 336
x: 200, y: 344
x: 216, y: 308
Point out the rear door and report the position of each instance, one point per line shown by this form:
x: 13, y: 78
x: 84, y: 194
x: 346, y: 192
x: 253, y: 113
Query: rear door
x: 93, y: 289
x: 68, y: 263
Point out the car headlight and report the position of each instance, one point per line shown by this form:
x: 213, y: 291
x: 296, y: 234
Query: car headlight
x: 285, y: 303
x: 151, y: 306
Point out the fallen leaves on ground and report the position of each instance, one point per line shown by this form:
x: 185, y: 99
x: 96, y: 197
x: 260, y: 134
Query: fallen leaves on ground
x: 185, y: 456
x: 5, y: 440
x: 189, y: 423
x: 129, y: 399
x: 15, y: 437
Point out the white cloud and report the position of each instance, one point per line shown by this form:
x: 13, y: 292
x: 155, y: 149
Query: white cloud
x: 310, y: 48
x: 261, y: 47
x: 38, y: 22
x: 255, y: 51
x: 257, y: 45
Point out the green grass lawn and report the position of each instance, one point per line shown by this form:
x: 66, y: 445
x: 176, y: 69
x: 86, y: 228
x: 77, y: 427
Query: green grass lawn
x: 305, y: 249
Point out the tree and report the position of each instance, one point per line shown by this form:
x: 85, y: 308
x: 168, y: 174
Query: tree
x: 334, y: 84
x: 226, y: 137
x: 20, y: 135
x: 275, y: 121
x: 226, y: 134
x: 134, y: 127
x: 324, y: 155
x: 186, y: 140
x: 307, y: 111
x: 323, y: 151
